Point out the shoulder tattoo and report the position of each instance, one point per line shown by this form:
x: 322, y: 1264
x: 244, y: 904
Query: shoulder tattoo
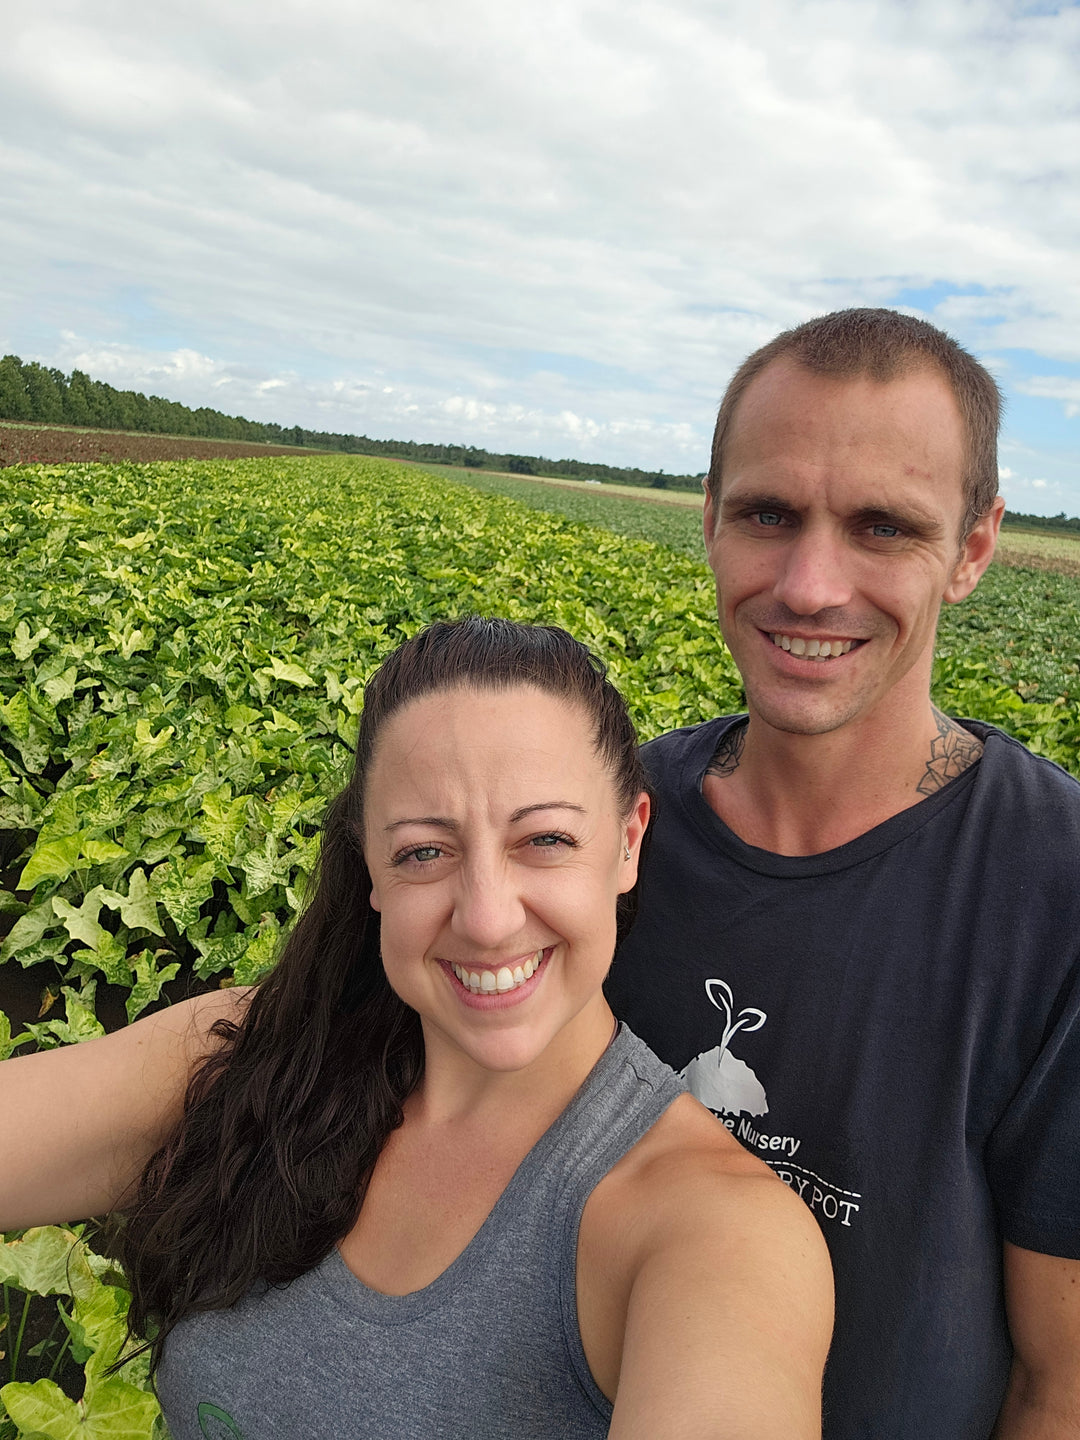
x: 952, y: 751
x: 728, y: 752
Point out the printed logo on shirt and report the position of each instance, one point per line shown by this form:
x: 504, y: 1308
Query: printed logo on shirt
x: 732, y: 1091
x: 215, y: 1424
x: 717, y: 1078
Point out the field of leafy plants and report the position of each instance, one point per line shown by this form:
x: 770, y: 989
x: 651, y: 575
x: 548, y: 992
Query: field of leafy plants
x: 182, y: 654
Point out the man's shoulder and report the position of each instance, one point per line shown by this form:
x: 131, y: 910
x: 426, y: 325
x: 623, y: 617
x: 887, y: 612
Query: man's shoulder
x: 1008, y: 765
x: 668, y: 751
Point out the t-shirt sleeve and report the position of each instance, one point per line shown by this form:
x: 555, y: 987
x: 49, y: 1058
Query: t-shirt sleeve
x: 1033, y: 1156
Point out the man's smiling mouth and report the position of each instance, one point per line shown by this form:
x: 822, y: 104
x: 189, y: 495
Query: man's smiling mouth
x: 812, y: 649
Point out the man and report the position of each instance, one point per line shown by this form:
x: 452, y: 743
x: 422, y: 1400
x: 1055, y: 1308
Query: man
x: 859, y: 928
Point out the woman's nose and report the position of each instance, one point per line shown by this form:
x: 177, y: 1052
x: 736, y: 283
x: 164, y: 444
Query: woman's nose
x: 488, y: 907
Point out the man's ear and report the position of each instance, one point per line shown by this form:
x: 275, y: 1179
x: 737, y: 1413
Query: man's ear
x: 975, y: 554
x: 707, y: 515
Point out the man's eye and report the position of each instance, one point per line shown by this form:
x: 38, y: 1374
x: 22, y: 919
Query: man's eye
x: 767, y: 517
x: 885, y: 532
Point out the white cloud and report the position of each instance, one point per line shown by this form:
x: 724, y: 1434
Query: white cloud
x: 559, y: 224
x: 1054, y: 387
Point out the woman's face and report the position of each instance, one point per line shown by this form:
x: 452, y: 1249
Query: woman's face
x: 496, y: 851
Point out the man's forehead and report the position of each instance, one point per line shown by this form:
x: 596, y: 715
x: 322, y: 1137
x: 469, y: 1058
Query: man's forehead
x: 912, y: 419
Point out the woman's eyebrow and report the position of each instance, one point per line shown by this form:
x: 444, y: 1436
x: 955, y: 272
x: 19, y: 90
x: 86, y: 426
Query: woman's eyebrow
x: 439, y: 821
x: 546, y: 805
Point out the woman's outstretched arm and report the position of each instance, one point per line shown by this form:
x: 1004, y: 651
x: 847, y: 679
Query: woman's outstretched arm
x: 78, y: 1124
x: 728, y: 1293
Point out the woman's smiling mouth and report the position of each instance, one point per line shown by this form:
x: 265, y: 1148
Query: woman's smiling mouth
x: 501, y: 981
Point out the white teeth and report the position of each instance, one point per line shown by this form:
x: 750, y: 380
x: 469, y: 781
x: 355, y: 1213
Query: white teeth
x: 490, y: 982
x: 811, y: 649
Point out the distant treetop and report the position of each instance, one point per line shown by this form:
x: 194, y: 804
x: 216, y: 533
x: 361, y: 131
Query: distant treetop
x: 33, y: 393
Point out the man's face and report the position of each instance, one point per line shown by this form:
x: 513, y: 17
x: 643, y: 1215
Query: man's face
x: 838, y: 531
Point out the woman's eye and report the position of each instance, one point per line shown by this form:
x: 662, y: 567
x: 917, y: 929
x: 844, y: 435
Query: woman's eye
x: 550, y: 842
x: 423, y: 854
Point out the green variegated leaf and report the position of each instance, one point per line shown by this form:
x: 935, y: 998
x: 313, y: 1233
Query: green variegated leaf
x: 219, y: 953
x: 24, y: 644
x: 15, y: 714
x: 100, y: 852
x: 149, y: 981
x: 183, y: 892
x: 114, y: 1411
x: 28, y: 929
x: 139, y: 907
x: 259, y: 956
x: 42, y: 1261
x: 81, y: 922
x: 221, y: 822
x: 109, y: 956
x: 82, y: 1023
x: 290, y: 673
x: 51, y: 860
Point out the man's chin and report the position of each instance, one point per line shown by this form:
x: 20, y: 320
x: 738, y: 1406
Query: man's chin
x: 805, y: 716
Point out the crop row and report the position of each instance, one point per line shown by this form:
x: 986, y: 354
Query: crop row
x: 182, y: 654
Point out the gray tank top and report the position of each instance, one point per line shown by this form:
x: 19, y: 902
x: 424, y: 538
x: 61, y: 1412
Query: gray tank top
x: 489, y: 1351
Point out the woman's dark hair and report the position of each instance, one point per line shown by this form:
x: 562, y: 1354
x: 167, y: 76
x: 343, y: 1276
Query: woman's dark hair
x: 284, y: 1121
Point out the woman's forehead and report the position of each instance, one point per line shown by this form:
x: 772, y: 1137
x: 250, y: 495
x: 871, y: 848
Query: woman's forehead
x: 509, y: 743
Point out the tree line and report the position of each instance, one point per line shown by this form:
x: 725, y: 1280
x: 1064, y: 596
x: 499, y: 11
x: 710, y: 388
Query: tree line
x: 35, y: 393
x: 1061, y: 521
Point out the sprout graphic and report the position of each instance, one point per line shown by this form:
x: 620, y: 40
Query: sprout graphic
x: 726, y: 1003
x: 719, y: 1079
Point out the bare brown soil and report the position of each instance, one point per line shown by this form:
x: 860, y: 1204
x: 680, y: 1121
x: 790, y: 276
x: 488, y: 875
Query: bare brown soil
x: 61, y: 445
x: 1027, y: 560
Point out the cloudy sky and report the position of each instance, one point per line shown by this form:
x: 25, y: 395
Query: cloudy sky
x: 549, y: 226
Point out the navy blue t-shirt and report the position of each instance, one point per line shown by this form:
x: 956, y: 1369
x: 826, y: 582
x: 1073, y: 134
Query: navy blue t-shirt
x: 894, y: 1027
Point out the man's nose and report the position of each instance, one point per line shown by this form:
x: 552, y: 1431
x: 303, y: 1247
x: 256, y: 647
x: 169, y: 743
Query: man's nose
x: 814, y: 574
x: 489, y: 911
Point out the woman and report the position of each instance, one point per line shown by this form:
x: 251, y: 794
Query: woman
x: 419, y: 1182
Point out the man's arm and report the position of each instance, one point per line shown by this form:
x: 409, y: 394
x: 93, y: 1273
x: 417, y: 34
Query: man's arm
x: 1042, y: 1300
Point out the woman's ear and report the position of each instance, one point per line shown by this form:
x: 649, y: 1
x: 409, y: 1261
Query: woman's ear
x: 637, y: 822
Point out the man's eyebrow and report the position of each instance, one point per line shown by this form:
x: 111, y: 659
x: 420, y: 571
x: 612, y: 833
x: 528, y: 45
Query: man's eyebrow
x: 745, y: 500
x: 905, y: 517
x: 440, y: 822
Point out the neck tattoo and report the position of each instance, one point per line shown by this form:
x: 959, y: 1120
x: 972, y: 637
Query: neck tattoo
x: 952, y: 751
x: 729, y: 752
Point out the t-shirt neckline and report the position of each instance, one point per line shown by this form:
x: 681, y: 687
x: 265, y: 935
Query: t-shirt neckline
x: 766, y: 862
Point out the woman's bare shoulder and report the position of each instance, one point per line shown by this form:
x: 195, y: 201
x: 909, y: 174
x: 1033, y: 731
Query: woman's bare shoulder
x: 191, y: 1021
x: 695, y: 1260
x: 689, y: 1176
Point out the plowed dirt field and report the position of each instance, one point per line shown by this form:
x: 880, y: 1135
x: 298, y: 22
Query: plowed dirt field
x: 59, y: 445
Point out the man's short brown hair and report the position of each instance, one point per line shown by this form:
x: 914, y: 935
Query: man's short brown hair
x: 883, y: 345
